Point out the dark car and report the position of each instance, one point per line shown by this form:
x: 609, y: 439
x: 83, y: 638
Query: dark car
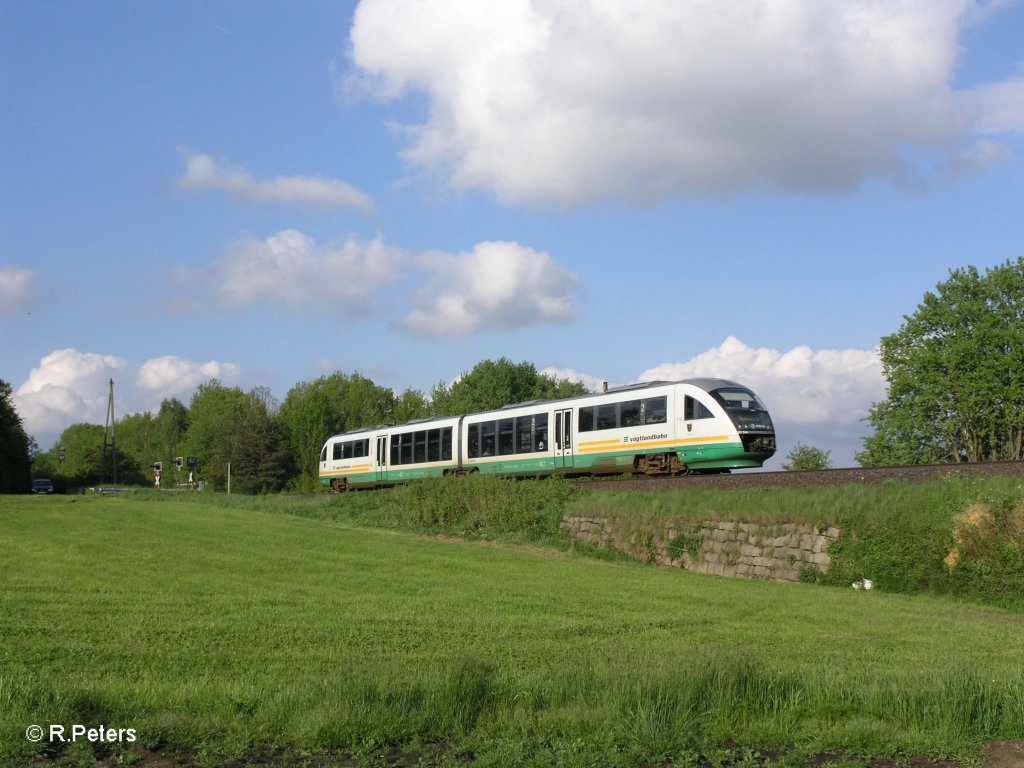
x: 42, y: 486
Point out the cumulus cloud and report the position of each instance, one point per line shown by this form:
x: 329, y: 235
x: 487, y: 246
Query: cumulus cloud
x: 496, y: 285
x: 818, y: 397
x: 573, y: 101
x: 69, y: 387
x: 202, y: 173
x: 290, y: 268
x: 801, y: 386
x: 559, y: 373
x: 1002, y: 106
x: 18, y: 289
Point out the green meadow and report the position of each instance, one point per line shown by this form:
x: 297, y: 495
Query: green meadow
x: 224, y: 625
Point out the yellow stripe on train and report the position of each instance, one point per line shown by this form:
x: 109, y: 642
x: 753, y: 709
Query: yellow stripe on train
x: 346, y: 470
x: 598, y: 446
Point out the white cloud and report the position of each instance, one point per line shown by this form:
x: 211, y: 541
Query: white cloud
x: 818, y: 397
x: 592, y: 383
x: 202, y: 173
x: 69, y: 387
x: 496, y: 285
x: 289, y: 268
x: 573, y: 101
x: 801, y: 386
x: 18, y: 291
x: 1002, y: 106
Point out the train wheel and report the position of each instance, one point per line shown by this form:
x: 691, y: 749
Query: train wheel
x: 678, y: 468
x: 655, y: 464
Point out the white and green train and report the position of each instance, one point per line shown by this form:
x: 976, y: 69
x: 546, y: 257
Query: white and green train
x: 655, y: 428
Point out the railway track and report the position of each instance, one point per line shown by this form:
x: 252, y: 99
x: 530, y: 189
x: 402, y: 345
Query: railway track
x: 811, y: 478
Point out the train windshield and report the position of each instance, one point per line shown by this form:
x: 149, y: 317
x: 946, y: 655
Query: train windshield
x: 745, y: 409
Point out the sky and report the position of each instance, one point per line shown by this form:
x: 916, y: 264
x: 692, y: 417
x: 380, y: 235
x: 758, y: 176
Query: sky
x: 612, y: 190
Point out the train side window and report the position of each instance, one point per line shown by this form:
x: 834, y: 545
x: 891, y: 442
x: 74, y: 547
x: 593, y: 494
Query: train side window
x: 655, y: 409
x: 446, y: 444
x: 487, y: 437
x: 524, y: 434
x: 607, y: 416
x: 419, y: 454
x: 586, y: 419
x: 540, y: 434
x: 629, y: 413
x: 473, y: 451
x: 434, y: 445
x: 506, y: 437
x: 396, y: 449
x: 323, y: 454
x: 695, y: 409
x: 336, y: 453
x: 407, y: 440
x: 364, y: 448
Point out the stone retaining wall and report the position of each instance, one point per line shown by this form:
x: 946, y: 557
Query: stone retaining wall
x: 789, y: 551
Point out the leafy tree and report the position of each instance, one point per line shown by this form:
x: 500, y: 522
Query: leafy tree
x: 409, y: 405
x: 83, y: 446
x: 956, y: 391
x: 136, y: 439
x: 229, y: 426
x: 803, y: 457
x: 260, y: 460
x: 15, y: 447
x: 169, y: 431
x: 494, y: 383
x: 312, y: 411
x: 212, y: 436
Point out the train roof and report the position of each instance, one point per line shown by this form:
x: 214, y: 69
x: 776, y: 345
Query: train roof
x: 708, y: 384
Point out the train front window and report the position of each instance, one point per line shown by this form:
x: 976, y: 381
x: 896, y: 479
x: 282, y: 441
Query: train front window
x: 746, y: 411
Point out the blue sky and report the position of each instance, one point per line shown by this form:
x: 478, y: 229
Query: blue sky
x: 266, y: 192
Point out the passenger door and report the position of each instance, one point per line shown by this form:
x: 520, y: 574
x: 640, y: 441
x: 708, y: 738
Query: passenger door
x: 382, y: 458
x: 563, y: 438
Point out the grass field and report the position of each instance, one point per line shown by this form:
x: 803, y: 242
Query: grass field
x: 223, y: 627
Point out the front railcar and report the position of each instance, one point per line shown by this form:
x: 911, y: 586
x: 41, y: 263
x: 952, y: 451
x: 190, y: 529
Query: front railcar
x: 751, y: 419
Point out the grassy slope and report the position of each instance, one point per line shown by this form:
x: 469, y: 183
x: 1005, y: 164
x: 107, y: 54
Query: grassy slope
x: 225, y: 627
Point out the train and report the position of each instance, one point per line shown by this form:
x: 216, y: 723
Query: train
x: 700, y: 425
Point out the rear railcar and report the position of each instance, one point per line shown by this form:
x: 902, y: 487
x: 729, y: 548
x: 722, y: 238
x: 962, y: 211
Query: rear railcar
x: 379, y: 456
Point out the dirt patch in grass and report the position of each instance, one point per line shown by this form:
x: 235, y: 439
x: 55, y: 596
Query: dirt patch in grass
x: 997, y: 754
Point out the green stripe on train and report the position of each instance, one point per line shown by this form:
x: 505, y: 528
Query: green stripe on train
x: 709, y: 456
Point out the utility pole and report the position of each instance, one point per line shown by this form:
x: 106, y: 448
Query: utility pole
x: 109, y: 429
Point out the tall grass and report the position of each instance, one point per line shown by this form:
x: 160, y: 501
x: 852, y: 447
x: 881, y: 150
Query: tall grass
x: 220, y: 627
x: 896, y: 534
x: 476, y: 506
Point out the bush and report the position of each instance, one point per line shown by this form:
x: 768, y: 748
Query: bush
x: 965, y: 541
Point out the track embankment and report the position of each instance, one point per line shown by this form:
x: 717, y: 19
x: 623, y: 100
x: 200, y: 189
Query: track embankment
x: 825, y: 477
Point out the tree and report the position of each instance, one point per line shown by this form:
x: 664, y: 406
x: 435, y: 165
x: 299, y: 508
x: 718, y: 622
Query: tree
x: 409, y: 405
x: 803, y: 457
x: 170, y: 427
x: 314, y: 410
x: 494, y: 383
x: 83, y: 448
x: 15, y: 447
x: 212, y: 435
x: 956, y: 387
x: 259, y: 462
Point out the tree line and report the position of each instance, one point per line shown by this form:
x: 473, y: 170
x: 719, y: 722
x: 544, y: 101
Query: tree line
x: 955, y: 370
x: 270, y: 445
